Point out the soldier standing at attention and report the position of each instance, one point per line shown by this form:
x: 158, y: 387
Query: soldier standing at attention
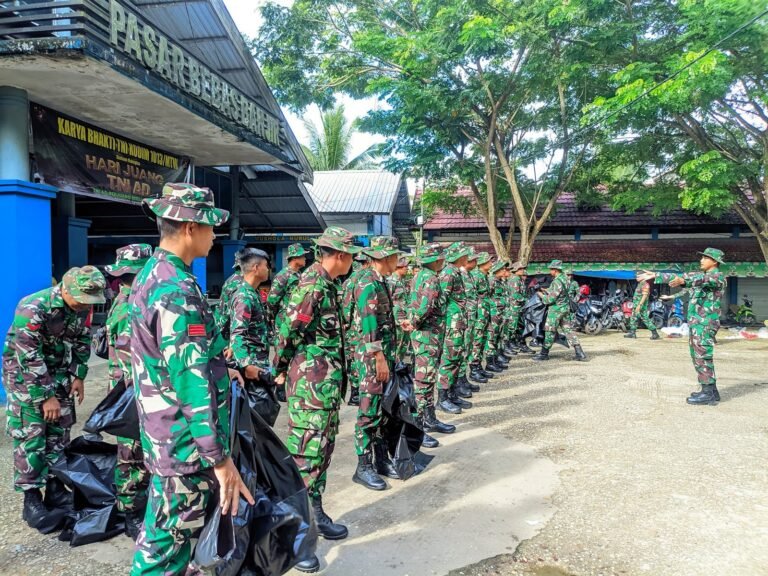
x: 399, y: 288
x: 426, y: 313
x: 463, y: 387
x: 520, y: 296
x: 177, y: 356
x: 131, y: 475
x: 495, y: 362
x: 640, y: 311
x: 706, y: 290
x: 351, y: 330
x: 45, y: 361
x: 452, y: 287
x: 558, y: 299
x: 248, y: 339
x: 283, y: 284
x: 309, y: 356
x: 480, y: 329
x: 375, y: 354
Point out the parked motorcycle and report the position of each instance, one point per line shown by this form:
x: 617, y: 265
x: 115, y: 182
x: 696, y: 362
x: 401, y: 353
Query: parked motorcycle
x: 613, y: 315
x: 588, y: 316
x: 743, y: 316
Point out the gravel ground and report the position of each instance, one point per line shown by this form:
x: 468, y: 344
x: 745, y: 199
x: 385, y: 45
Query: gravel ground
x: 648, y: 485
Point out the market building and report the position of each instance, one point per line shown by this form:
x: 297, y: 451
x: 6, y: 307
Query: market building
x: 599, y: 242
x: 104, y: 101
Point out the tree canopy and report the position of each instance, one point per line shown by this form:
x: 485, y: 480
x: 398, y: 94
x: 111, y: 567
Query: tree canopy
x: 330, y: 143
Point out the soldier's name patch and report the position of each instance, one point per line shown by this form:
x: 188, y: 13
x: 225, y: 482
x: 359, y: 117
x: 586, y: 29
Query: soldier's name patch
x: 196, y: 330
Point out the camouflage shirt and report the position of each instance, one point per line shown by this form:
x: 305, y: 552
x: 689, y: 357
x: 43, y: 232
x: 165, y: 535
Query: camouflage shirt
x: 426, y: 310
x: 452, y: 287
x: 182, y: 383
x: 223, y: 310
x: 374, y: 314
x: 557, y: 293
x: 280, y: 292
x: 482, y: 287
x: 470, y: 291
x: 706, y: 292
x: 310, y: 343
x: 348, y: 305
x: 398, y: 289
x: 248, y: 328
x: 119, y: 338
x: 517, y: 290
x: 47, y: 344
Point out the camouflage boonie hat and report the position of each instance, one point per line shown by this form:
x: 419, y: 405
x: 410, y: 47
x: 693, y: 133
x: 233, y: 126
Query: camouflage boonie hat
x: 382, y: 247
x: 86, y: 285
x: 555, y: 265
x: 429, y: 253
x: 715, y: 254
x: 129, y: 259
x: 500, y: 265
x: 337, y: 238
x: 472, y: 254
x: 187, y: 203
x: 515, y: 266
x: 456, y: 251
x: 483, y: 258
x: 406, y: 259
x: 295, y: 251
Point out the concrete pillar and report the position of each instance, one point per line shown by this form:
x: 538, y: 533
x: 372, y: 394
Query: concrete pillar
x: 229, y: 247
x: 25, y: 212
x: 71, y: 241
x: 200, y: 271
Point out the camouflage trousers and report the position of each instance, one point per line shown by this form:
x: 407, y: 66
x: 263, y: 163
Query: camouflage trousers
x: 479, y: 335
x: 426, y: 357
x: 495, y: 325
x: 131, y: 476
x: 701, y: 340
x: 559, y: 319
x: 175, y: 511
x: 311, y: 440
x: 640, y: 313
x: 403, y: 345
x: 452, y: 356
x: 36, y: 443
x: 469, y: 338
x: 512, y: 322
x: 354, y: 364
x: 368, y: 422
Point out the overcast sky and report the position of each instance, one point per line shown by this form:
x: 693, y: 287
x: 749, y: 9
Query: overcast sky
x: 246, y: 15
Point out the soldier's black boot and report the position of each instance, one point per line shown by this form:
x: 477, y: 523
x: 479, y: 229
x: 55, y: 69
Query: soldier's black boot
x: 501, y: 361
x: 309, y: 565
x: 354, y: 397
x: 630, y: 334
x: 384, y: 466
x: 458, y: 400
x: 366, y: 476
x: 509, y: 351
x: 432, y: 424
x: 700, y: 392
x: 133, y: 523
x: 445, y: 404
x: 542, y: 355
x: 579, y: 353
x: 429, y: 441
x: 328, y: 528
x: 462, y: 387
x: 501, y: 354
x: 34, y: 509
x: 655, y: 335
x: 523, y: 347
x: 709, y: 396
x: 490, y: 365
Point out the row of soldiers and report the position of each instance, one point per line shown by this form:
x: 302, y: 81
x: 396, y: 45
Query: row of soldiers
x: 455, y: 319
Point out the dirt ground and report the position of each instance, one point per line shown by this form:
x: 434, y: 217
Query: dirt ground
x: 565, y: 468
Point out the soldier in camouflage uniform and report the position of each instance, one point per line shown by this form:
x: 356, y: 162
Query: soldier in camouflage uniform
x: 400, y: 290
x: 495, y: 362
x: 131, y: 475
x: 310, y: 357
x: 516, y: 286
x: 558, y: 299
x: 283, y: 284
x: 706, y: 292
x: 248, y: 339
x: 45, y: 361
x: 519, y: 297
x: 375, y: 354
x: 482, y: 318
x: 464, y: 388
x: 426, y: 313
x: 223, y: 311
x: 182, y: 385
x: 352, y: 331
x: 640, y: 311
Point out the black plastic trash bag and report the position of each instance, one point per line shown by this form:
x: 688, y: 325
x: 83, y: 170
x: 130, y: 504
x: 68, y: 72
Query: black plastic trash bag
x: 262, y: 398
x: 116, y: 414
x: 100, y: 343
x: 217, y: 540
x: 96, y: 525
x: 272, y: 535
x: 400, y: 428
x: 535, y: 317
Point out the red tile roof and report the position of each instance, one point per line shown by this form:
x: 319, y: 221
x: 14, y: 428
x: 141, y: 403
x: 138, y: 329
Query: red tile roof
x: 665, y: 250
x: 568, y: 215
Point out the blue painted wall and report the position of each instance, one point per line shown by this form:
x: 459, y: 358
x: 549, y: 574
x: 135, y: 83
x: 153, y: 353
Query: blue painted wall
x: 199, y: 269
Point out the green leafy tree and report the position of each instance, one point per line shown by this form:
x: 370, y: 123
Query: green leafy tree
x: 699, y: 140
x: 330, y: 143
x: 482, y: 94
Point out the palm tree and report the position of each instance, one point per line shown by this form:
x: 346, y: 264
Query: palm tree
x: 330, y: 144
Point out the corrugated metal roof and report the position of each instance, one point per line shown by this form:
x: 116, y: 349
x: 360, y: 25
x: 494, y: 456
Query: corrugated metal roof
x: 355, y: 191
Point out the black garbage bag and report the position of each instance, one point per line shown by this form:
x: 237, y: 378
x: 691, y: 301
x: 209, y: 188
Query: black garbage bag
x: 85, y: 471
x: 262, y: 398
x: 116, y: 414
x: 272, y: 535
x: 59, y: 503
x: 217, y: 541
x: 400, y: 428
x: 535, y: 317
x: 100, y: 343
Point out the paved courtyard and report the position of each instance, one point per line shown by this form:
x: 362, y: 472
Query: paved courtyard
x: 561, y: 469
